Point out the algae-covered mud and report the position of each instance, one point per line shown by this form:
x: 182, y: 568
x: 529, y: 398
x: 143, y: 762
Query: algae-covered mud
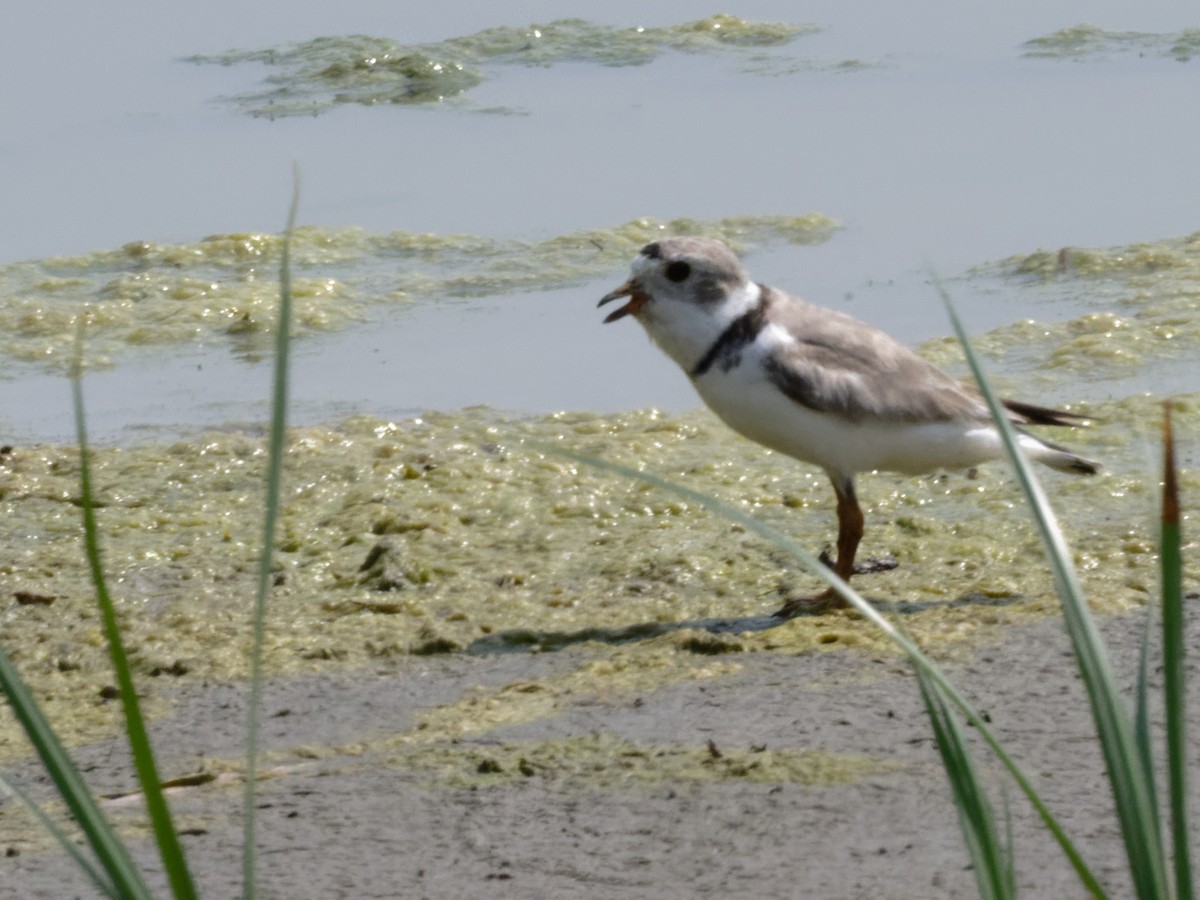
x: 223, y: 290
x: 318, y: 75
x: 452, y: 534
x: 599, y: 760
x: 1090, y: 42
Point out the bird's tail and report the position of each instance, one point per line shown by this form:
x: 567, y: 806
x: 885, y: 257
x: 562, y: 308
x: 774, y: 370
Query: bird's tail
x: 1057, y: 457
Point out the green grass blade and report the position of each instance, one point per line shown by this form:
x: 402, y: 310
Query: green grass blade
x: 1132, y: 792
x: 822, y: 571
x: 111, y: 853
x: 275, y: 451
x: 1141, y: 712
x: 1174, y: 693
x: 169, y: 848
x: 991, y: 860
x: 1011, y: 873
x: 102, y: 884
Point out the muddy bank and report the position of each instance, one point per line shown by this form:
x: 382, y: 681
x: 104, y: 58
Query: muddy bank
x: 346, y: 812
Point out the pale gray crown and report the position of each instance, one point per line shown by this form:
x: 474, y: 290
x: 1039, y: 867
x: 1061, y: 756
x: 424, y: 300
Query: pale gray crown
x: 700, y: 269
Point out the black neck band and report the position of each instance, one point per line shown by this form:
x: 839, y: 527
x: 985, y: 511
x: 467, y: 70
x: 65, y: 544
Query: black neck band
x: 726, y: 349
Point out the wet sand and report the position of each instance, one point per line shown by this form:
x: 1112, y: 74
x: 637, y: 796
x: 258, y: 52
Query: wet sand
x: 341, y: 813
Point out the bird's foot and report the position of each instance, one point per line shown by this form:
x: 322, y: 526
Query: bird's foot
x: 868, y: 566
x: 811, y: 606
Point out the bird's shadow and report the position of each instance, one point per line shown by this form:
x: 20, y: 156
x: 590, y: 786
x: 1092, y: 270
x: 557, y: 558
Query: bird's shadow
x: 528, y: 640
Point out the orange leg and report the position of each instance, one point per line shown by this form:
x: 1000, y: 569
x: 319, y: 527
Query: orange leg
x: 850, y: 532
x: 850, y: 527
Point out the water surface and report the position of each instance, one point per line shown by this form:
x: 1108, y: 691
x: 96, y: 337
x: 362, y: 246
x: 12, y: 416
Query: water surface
x: 945, y: 142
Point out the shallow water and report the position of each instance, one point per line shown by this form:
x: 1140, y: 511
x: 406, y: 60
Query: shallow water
x: 945, y: 144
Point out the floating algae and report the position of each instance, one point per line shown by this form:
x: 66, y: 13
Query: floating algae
x: 1090, y: 42
x: 1142, y: 304
x: 223, y: 290
x: 318, y: 75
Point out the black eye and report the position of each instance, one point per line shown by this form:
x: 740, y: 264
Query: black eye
x: 677, y: 272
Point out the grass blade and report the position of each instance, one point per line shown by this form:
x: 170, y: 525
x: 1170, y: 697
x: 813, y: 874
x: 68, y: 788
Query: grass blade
x: 820, y: 570
x: 102, y: 884
x: 1141, y: 711
x: 275, y: 449
x: 1132, y: 791
x: 992, y: 861
x: 1174, y: 694
x: 111, y: 853
x: 169, y: 848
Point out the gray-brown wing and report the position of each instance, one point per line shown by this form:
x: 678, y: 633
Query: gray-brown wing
x: 841, y: 365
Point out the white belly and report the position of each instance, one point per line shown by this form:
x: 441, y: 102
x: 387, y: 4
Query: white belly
x: 757, y: 409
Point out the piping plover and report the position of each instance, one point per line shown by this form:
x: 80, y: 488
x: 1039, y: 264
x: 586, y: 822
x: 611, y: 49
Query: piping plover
x: 814, y: 383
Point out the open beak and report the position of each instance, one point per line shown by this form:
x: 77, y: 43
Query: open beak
x: 636, y: 300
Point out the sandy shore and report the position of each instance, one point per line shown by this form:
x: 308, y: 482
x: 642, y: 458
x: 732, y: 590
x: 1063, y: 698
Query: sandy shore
x: 345, y: 816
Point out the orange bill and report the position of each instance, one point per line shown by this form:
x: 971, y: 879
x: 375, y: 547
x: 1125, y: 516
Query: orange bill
x: 636, y: 301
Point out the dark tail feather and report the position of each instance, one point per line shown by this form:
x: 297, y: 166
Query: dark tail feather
x: 1061, y: 458
x: 1028, y: 414
x: 1066, y: 461
x: 1081, y: 466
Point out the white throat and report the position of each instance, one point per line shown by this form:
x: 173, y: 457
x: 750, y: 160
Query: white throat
x: 686, y: 330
